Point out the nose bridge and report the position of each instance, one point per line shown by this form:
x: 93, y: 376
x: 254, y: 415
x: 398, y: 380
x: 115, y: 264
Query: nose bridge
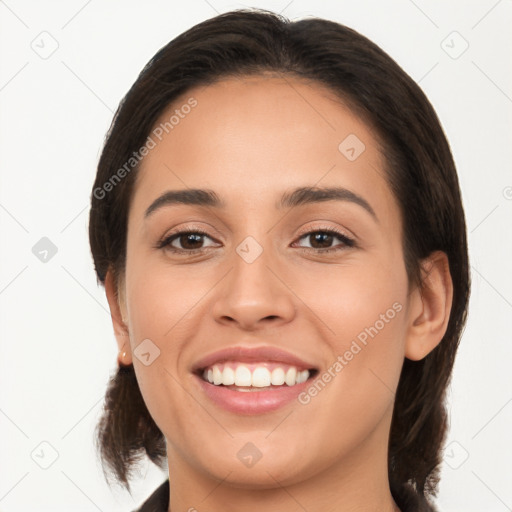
x: 251, y: 275
x: 252, y: 292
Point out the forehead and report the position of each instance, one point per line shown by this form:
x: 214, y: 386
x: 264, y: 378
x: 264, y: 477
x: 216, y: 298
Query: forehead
x: 253, y: 137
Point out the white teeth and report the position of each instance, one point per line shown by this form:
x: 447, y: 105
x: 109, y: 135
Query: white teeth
x: 242, y: 376
x: 260, y: 377
x: 291, y: 375
x: 277, y: 377
x: 217, y: 376
x: 302, y: 376
x: 228, y: 376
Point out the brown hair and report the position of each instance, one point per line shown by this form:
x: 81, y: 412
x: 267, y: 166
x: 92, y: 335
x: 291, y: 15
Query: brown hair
x: 420, y: 171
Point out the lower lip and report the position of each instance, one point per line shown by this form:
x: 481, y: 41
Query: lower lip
x: 252, y: 402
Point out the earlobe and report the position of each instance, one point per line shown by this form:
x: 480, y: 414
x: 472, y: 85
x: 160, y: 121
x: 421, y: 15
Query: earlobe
x: 430, y: 307
x: 118, y: 321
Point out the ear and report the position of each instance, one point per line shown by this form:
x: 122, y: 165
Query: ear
x: 118, y: 314
x: 430, y: 307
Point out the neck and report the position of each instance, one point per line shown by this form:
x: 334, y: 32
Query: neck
x: 356, y: 482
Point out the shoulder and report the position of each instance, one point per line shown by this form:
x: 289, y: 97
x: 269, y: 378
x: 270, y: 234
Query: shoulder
x: 158, y: 501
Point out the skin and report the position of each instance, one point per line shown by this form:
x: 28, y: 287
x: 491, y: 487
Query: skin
x: 250, y: 140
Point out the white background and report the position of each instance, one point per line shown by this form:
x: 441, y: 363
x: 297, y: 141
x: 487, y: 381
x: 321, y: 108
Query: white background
x: 57, y: 343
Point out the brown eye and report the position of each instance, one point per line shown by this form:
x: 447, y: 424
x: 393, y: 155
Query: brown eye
x: 187, y: 241
x: 190, y: 240
x: 322, y: 240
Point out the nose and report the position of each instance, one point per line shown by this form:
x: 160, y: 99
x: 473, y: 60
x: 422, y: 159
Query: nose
x: 254, y: 295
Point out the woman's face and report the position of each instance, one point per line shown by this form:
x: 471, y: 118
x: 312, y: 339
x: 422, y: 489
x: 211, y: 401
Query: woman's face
x: 261, y: 278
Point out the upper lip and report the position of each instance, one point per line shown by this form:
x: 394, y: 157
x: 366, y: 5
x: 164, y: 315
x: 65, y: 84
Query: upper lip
x: 252, y: 354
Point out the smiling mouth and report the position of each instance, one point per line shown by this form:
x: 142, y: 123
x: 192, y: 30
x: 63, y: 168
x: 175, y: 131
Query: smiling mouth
x: 247, y: 377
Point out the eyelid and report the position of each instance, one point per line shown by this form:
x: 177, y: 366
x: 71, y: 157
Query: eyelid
x: 324, y: 227
x: 302, y: 231
x: 164, y: 241
x: 348, y: 241
x: 192, y: 228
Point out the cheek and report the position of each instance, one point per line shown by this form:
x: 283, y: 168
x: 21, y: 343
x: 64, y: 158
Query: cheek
x: 364, y: 311
x: 161, y: 310
x: 160, y: 299
x: 351, y: 297
x: 165, y: 307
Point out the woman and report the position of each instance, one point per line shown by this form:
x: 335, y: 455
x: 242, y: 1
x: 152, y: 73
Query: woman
x: 277, y: 222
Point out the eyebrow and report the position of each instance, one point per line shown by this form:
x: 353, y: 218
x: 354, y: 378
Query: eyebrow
x: 297, y: 197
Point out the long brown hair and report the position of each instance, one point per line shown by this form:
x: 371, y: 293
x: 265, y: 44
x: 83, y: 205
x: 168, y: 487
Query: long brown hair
x: 420, y: 171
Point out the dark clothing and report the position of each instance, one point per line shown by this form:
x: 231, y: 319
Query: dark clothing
x: 405, y: 498
x: 158, y: 501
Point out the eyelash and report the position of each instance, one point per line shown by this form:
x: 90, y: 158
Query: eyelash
x: 347, y: 242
